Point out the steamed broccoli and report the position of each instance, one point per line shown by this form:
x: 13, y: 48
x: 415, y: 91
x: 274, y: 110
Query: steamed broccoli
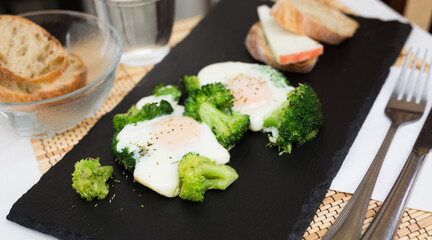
x: 296, y: 121
x: 134, y: 115
x: 212, y: 105
x: 161, y: 89
x: 215, y: 93
x: 89, y: 179
x: 147, y: 112
x: 191, y: 83
x: 123, y: 156
x: 198, y: 173
x: 229, y: 129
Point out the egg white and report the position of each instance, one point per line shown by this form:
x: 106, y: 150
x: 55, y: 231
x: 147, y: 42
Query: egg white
x: 160, y: 143
x: 256, y: 91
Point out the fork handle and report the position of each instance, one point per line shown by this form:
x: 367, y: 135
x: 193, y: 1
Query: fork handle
x: 386, y: 222
x: 349, y: 223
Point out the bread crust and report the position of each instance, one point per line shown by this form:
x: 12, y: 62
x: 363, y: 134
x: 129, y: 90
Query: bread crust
x: 8, y: 74
x: 296, y: 21
x: 336, y: 4
x: 258, y: 47
x: 45, y: 90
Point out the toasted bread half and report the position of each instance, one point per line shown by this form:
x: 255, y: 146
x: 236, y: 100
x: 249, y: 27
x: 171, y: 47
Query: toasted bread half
x: 258, y: 47
x: 73, y: 78
x: 314, y: 19
x: 28, y: 52
x: 339, y: 6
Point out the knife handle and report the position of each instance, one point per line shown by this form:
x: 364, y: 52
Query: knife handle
x: 386, y: 222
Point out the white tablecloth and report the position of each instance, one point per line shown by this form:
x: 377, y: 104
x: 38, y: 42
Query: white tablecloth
x: 21, y: 170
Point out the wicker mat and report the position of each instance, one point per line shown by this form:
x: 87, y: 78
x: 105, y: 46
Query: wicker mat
x: 415, y: 224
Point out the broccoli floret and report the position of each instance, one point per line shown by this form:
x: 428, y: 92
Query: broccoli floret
x: 89, y: 179
x: 296, y: 121
x: 191, y: 83
x: 212, y: 104
x: 228, y: 129
x: 161, y: 89
x: 214, y: 93
x: 123, y: 156
x: 147, y: 112
x: 198, y: 173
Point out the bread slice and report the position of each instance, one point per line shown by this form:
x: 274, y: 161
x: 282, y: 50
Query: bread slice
x: 28, y: 52
x: 287, y: 47
x: 336, y: 4
x: 258, y: 47
x: 314, y: 19
x: 73, y: 78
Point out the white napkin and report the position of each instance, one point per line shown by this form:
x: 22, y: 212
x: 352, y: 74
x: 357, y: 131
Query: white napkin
x: 18, y: 172
x: 369, y: 140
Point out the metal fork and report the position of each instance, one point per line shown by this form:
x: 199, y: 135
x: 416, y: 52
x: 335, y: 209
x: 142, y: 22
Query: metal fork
x: 401, y: 108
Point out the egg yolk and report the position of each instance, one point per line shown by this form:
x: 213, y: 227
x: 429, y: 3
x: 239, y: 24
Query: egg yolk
x: 249, y: 92
x: 175, y: 132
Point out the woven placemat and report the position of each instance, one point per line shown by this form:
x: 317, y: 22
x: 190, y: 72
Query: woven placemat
x: 415, y: 224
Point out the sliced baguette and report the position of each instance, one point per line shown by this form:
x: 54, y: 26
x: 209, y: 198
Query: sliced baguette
x: 258, y: 47
x: 287, y: 47
x: 314, y: 19
x: 73, y: 78
x: 336, y: 4
x: 28, y: 52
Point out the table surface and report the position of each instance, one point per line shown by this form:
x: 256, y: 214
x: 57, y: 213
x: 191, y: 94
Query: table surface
x: 37, y: 156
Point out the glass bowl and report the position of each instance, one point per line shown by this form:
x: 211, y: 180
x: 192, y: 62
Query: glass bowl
x: 99, y: 46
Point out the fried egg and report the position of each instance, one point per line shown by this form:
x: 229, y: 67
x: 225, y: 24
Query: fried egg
x: 159, y: 145
x: 258, y: 90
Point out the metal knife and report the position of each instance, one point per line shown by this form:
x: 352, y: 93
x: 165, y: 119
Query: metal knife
x: 388, y: 218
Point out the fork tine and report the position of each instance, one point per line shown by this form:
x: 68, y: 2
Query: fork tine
x: 421, y: 81
x: 427, y: 85
x: 399, y: 84
x: 403, y: 91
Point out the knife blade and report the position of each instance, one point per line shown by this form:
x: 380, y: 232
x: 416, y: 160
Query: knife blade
x: 388, y: 218
x: 424, y: 140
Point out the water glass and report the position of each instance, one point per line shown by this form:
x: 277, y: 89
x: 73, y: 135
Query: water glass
x: 144, y: 25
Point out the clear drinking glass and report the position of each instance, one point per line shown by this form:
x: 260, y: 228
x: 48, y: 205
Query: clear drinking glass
x: 145, y: 27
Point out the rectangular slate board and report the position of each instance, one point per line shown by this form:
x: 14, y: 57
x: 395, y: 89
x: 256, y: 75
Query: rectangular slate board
x: 275, y: 196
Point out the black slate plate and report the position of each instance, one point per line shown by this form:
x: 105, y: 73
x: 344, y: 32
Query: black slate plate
x: 275, y: 196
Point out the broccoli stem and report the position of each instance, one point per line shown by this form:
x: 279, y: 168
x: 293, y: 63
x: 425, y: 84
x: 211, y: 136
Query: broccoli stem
x: 213, y: 117
x: 277, y: 117
x: 228, y: 129
x: 198, y: 174
x: 218, y: 176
